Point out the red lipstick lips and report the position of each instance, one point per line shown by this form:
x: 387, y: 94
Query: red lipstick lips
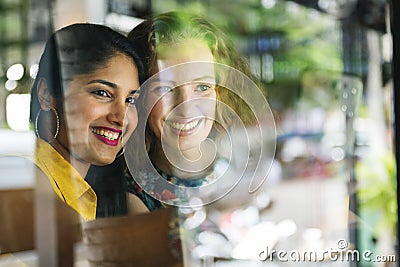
x: 107, y: 135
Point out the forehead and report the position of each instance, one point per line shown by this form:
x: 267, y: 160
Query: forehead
x: 184, y: 51
x: 117, y: 64
x: 184, y: 61
x: 198, y: 71
x: 119, y: 70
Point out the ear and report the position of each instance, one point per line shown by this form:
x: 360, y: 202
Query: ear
x: 46, y: 100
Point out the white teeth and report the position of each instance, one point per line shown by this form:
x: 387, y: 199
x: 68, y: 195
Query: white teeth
x: 107, y: 134
x: 183, y: 126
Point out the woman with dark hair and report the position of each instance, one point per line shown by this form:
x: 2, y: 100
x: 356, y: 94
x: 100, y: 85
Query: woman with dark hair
x: 83, y: 107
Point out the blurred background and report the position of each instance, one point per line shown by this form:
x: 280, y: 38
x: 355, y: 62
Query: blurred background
x: 327, y: 70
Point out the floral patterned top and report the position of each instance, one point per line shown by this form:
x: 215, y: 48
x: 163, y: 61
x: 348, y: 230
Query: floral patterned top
x: 177, y: 233
x: 151, y: 182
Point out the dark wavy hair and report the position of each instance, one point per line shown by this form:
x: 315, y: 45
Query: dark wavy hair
x: 78, y: 49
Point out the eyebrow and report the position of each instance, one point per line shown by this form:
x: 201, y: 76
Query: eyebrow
x: 112, y: 85
x: 204, y: 78
x: 161, y: 80
x: 199, y: 79
x: 107, y: 83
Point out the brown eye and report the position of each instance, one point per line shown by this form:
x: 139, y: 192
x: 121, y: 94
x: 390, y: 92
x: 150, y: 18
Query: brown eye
x: 131, y: 100
x: 102, y: 93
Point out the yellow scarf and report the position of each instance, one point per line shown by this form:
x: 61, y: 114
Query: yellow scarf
x: 66, y: 181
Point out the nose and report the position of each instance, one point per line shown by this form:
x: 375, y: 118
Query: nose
x: 183, y: 95
x: 117, y: 113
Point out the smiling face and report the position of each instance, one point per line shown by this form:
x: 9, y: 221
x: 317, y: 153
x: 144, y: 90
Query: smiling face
x: 97, y: 111
x: 182, y: 102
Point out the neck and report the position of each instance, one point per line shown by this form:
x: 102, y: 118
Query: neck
x: 80, y: 166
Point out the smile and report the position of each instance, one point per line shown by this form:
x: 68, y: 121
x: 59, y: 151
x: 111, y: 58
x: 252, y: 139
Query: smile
x: 183, y: 126
x: 110, y: 134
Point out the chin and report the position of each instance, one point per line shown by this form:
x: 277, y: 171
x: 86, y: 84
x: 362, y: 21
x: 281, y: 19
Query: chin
x: 104, y: 161
x: 187, y: 146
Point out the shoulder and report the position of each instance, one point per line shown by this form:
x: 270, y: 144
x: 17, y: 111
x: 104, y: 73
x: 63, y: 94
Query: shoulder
x: 136, y: 205
x: 139, y: 193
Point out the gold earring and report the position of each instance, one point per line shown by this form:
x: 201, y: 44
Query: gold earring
x: 120, y: 153
x: 57, y: 123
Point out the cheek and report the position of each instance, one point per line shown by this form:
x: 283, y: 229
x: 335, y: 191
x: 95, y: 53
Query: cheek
x: 157, y: 112
x: 214, y: 104
x: 131, y: 121
x: 160, y: 105
x: 154, y: 121
x: 208, y: 106
x: 79, y: 114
